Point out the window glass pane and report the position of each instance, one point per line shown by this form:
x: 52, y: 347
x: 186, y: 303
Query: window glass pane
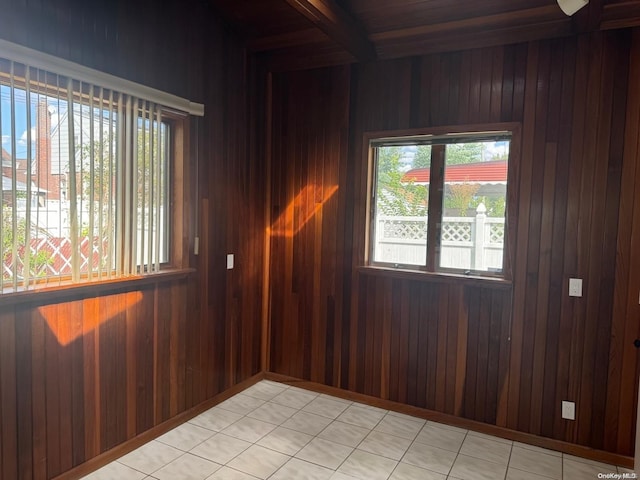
x: 85, y: 181
x: 152, y: 193
x: 474, y: 203
x: 400, y: 230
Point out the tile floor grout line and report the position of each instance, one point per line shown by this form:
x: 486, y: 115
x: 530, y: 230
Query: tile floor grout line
x: 506, y: 472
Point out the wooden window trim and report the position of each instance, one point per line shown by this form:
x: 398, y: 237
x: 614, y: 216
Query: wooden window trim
x: 66, y: 291
x: 431, y: 270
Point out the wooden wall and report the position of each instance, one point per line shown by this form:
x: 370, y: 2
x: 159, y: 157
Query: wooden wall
x: 84, y: 373
x: 501, y: 354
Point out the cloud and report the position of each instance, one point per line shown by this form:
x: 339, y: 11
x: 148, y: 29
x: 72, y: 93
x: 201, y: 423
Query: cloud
x: 23, y: 137
x: 5, y: 139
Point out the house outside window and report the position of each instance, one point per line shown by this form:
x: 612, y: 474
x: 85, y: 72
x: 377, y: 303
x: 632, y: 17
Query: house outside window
x: 438, y: 202
x: 87, y: 180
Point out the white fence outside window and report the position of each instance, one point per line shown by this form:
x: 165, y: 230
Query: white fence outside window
x: 468, y: 243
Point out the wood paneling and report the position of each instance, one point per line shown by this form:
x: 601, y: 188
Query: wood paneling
x: 144, y: 354
x: 504, y: 355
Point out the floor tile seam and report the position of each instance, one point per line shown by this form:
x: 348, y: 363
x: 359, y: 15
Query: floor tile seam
x: 457, y: 453
x: 343, y: 462
x: 506, y: 472
x: 371, y: 430
x: 317, y: 464
x: 132, y: 468
x: 267, y: 421
x: 227, y: 464
x: 587, y: 461
x: 356, y: 425
x: 274, y: 450
x: 360, y: 442
x: 231, y: 459
x: 533, y: 473
x: 197, y: 445
x: 219, y: 465
x: 246, y: 415
x: 236, y: 470
x: 157, y: 469
x: 452, y: 464
x: 486, y: 459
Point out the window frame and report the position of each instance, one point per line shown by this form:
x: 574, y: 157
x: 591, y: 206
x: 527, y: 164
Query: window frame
x: 178, y: 215
x: 436, y: 197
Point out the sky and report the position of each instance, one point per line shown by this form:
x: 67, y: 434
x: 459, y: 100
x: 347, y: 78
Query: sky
x: 20, y: 120
x: 20, y: 102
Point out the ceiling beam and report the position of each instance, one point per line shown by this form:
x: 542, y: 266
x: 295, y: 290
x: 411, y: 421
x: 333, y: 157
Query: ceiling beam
x: 338, y: 25
x: 309, y: 35
x: 538, y: 15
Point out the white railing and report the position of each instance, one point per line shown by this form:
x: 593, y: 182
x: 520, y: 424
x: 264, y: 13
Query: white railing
x: 469, y: 243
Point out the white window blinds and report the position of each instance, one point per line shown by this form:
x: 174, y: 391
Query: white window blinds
x: 85, y: 180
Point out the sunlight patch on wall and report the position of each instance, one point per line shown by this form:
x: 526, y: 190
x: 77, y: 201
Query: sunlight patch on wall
x: 70, y: 321
x: 301, y: 209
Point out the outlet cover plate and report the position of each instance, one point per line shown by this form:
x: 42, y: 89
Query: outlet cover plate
x: 575, y: 287
x: 568, y: 410
x: 230, y: 261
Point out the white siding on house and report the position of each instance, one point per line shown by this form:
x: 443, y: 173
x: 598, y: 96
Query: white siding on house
x: 82, y: 133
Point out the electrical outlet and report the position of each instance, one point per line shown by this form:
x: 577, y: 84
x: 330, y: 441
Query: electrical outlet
x: 568, y: 410
x: 230, y: 261
x: 575, y: 287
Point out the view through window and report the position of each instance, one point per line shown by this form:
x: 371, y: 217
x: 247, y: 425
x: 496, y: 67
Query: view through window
x: 85, y: 180
x: 460, y: 180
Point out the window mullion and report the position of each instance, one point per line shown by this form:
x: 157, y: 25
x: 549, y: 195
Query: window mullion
x: 149, y: 225
x: 436, y: 194
x: 14, y: 186
x: 158, y: 186
x: 119, y: 214
x: 112, y: 168
x: 101, y: 181
x: 2, y: 245
x: 26, y: 267
x: 127, y: 210
x: 92, y: 186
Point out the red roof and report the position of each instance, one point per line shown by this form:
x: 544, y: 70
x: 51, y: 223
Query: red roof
x: 481, y: 172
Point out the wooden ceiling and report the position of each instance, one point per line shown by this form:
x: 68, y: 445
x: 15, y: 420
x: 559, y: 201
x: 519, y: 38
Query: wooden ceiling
x: 295, y: 34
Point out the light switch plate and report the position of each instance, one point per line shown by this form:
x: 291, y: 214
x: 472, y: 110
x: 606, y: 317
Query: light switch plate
x: 230, y: 261
x: 575, y: 287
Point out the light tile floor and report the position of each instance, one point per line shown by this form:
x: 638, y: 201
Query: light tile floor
x: 272, y: 431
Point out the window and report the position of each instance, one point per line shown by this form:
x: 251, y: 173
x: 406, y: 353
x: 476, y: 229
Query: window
x: 439, y: 201
x: 87, y: 180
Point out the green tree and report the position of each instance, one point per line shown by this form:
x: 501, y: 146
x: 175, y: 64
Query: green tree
x: 98, y: 176
x: 37, y: 260
x: 394, y: 196
x: 459, y: 153
x: 422, y: 158
x: 461, y: 197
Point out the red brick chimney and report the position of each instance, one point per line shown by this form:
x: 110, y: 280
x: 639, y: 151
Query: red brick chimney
x: 42, y: 177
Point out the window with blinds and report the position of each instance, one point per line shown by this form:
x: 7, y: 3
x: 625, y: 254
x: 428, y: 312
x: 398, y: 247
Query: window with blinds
x: 85, y: 180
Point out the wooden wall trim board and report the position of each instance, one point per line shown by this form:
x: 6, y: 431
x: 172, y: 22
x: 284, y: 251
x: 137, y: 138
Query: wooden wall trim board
x: 507, y: 353
x: 625, y: 327
x: 68, y: 292
x: 502, y: 432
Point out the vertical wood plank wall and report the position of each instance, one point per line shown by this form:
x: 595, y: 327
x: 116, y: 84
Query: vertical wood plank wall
x: 81, y: 376
x: 504, y: 356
